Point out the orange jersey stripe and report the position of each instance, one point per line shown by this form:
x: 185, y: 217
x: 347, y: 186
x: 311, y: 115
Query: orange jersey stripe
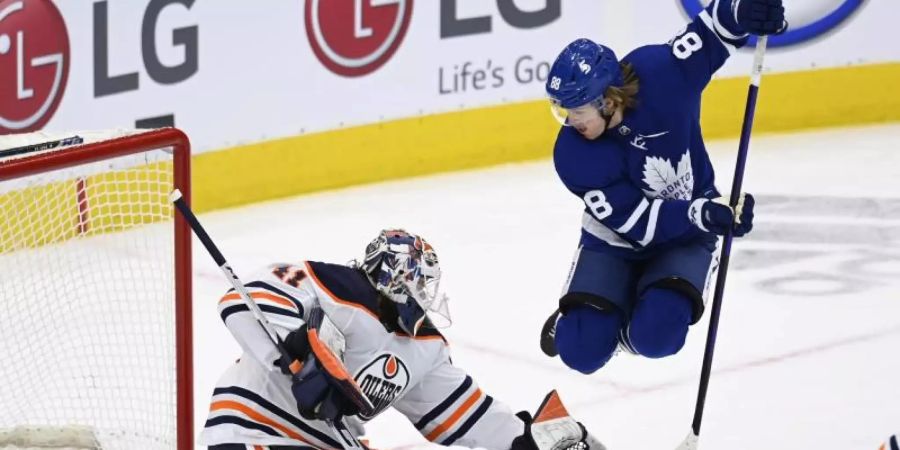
x: 264, y: 295
x: 465, y: 407
x: 249, y: 412
x: 315, y: 279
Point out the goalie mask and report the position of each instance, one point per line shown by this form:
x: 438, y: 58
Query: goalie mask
x: 405, y: 268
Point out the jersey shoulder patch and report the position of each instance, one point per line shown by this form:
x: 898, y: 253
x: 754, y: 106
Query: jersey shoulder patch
x: 346, y: 284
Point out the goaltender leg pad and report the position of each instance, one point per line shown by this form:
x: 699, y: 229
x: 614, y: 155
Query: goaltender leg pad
x: 553, y: 428
x: 689, y: 269
x: 586, y: 337
x: 605, y: 276
x: 659, y: 324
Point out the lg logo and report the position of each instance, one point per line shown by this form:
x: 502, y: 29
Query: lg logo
x: 35, y: 58
x: 34, y: 63
x: 354, y: 38
x: 185, y: 37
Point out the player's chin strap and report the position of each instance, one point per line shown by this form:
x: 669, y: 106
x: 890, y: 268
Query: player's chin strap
x: 607, y: 116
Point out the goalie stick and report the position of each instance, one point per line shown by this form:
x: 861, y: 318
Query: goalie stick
x: 691, y: 441
x: 345, y: 382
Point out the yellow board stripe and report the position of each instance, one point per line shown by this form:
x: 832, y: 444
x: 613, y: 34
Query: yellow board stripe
x: 808, y: 99
x: 517, y: 132
x: 478, y: 138
x: 370, y: 153
x: 425, y: 145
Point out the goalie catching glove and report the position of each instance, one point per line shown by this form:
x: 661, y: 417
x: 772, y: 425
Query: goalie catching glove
x: 320, y: 383
x: 552, y: 428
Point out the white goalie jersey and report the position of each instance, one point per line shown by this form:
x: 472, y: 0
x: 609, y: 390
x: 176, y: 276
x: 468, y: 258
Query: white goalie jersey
x: 252, y: 402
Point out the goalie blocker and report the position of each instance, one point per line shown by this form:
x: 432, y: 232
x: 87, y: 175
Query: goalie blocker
x: 323, y: 388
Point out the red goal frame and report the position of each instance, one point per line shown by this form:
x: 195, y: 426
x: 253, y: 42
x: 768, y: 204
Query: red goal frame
x: 181, y: 155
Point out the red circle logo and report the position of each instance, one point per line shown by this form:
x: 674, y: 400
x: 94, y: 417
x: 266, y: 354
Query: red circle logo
x: 34, y: 63
x: 355, y: 37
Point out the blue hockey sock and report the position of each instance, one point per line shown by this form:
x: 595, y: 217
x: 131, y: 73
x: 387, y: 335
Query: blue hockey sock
x: 659, y: 323
x: 586, y: 337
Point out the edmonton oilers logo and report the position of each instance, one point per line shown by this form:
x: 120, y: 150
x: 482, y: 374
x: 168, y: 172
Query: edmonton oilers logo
x: 808, y: 19
x: 382, y: 381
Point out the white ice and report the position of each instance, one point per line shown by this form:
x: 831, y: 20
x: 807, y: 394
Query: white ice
x: 808, y: 350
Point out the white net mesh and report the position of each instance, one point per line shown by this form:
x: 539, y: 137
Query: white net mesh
x: 87, y: 332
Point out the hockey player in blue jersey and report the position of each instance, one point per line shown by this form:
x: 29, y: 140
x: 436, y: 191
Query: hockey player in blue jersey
x: 631, y: 148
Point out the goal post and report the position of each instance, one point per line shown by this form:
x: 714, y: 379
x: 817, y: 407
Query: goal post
x: 95, y: 291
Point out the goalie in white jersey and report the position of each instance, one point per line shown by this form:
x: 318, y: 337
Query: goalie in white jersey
x: 383, y: 340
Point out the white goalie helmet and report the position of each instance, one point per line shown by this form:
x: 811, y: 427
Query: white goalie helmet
x: 405, y: 268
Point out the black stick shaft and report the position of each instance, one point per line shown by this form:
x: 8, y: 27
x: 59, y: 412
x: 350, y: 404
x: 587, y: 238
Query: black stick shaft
x: 737, y: 183
x: 41, y: 146
x: 198, y: 229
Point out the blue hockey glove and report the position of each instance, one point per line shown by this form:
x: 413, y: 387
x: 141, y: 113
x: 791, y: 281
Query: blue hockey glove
x: 760, y: 17
x: 313, y: 388
x: 297, y: 345
x: 715, y: 217
x: 316, y: 395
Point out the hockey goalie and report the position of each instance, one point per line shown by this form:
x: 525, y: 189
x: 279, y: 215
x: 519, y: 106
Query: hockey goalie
x: 370, y: 319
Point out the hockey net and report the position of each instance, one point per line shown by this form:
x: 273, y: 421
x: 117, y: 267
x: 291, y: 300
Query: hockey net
x: 95, y: 287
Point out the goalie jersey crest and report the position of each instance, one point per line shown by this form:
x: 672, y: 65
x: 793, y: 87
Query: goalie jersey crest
x: 383, y: 381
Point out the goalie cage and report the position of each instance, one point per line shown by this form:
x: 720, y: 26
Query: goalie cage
x: 95, y: 280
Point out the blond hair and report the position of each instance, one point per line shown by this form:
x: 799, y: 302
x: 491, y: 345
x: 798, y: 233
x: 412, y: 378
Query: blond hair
x: 625, y: 94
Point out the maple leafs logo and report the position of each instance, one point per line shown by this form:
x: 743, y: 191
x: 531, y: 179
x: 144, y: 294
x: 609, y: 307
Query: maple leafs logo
x: 667, y: 181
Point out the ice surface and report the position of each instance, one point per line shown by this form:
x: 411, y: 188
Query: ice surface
x: 808, y: 353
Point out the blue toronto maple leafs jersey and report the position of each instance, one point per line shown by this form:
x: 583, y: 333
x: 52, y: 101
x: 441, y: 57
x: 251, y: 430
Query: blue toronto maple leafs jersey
x: 637, y: 180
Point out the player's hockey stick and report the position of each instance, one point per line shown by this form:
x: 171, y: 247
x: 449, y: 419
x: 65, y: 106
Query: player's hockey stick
x: 41, y: 146
x: 690, y: 442
x: 338, y: 428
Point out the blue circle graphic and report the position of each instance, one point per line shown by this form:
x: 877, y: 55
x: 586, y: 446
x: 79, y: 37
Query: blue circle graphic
x: 793, y: 35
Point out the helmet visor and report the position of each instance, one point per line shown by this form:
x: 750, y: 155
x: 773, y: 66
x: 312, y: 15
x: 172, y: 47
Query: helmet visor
x: 569, y: 117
